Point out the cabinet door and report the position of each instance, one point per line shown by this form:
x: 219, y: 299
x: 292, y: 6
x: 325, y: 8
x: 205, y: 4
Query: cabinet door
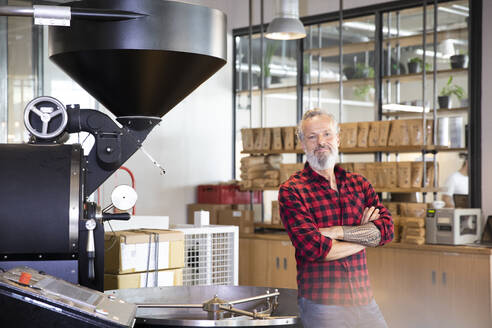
x: 244, y: 261
x: 383, y: 273
x: 464, y: 290
x: 282, y: 264
x: 404, y: 283
x: 258, y: 265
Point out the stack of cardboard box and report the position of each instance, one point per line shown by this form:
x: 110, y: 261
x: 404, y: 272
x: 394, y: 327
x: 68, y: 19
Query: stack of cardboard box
x: 241, y: 215
x: 409, y: 221
x: 131, y: 260
x: 260, y: 171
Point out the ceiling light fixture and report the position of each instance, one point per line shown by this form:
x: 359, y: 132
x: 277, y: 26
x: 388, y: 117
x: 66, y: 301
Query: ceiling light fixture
x: 286, y: 24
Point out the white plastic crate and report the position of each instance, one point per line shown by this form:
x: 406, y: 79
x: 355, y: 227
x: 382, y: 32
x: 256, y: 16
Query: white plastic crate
x: 211, y: 255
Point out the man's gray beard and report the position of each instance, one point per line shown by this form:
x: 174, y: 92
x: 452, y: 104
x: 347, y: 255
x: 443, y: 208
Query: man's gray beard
x: 323, y: 162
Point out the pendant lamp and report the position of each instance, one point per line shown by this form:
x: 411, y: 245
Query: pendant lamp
x: 286, y: 24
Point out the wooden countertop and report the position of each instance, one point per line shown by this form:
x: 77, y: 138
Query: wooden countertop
x: 478, y: 249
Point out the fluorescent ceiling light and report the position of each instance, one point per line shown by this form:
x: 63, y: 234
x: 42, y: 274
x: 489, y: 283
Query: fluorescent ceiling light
x: 286, y: 24
x: 323, y: 100
x: 404, y: 108
x: 430, y: 53
x: 372, y: 27
x: 452, y: 11
x: 460, y: 7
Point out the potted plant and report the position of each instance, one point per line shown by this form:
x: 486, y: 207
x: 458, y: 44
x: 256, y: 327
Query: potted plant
x: 459, y: 60
x: 267, y: 60
x: 361, y: 91
x: 447, y: 91
x: 358, y: 71
x: 415, y: 65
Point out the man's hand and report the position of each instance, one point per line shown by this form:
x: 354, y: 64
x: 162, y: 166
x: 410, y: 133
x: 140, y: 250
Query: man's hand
x: 335, y: 232
x: 341, y: 249
x: 370, y: 214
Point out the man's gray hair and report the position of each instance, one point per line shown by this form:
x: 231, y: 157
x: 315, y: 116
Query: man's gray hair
x: 309, y: 115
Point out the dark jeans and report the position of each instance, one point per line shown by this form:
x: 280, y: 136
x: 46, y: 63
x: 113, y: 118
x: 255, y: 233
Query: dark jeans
x: 327, y: 316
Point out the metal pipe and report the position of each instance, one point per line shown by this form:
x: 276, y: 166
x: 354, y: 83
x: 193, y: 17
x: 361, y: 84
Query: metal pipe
x: 254, y: 298
x: 398, y: 57
x: 424, y: 84
x: 164, y: 306
x: 310, y: 100
x: 250, y: 63
x: 434, y: 98
x: 80, y: 13
x: 16, y: 11
x: 319, y: 67
x: 262, y: 70
x: 340, y: 58
x: 104, y: 14
x: 254, y: 315
x: 388, y: 61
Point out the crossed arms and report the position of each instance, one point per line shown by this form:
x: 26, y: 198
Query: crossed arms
x: 316, y: 244
x: 349, y: 240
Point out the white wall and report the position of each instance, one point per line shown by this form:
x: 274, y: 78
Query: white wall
x: 194, y: 145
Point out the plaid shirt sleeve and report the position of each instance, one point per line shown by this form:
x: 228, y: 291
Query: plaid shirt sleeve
x: 303, y: 231
x: 385, y: 222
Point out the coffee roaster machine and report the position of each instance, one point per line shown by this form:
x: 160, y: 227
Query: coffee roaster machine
x: 139, y: 59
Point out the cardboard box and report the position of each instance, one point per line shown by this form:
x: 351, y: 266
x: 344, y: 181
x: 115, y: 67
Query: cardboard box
x: 127, y: 251
x: 266, y: 141
x: 257, y: 210
x: 242, y: 219
x: 248, y: 139
x: 258, y: 138
x: 286, y: 170
x: 172, y: 277
x: 276, y: 213
x: 212, y: 208
x: 288, y: 134
x: 276, y: 138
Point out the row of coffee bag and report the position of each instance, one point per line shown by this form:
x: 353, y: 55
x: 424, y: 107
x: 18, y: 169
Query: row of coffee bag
x: 386, y: 133
x: 395, y: 174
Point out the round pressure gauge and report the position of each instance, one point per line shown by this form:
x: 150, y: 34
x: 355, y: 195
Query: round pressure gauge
x: 124, y: 197
x: 90, y: 224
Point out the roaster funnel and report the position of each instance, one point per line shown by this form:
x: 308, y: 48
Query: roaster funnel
x: 142, y: 66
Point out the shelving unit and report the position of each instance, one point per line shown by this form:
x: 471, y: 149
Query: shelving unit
x: 269, y: 226
x: 363, y: 150
x: 441, y: 112
x: 404, y: 41
x: 348, y: 82
x: 266, y: 91
x: 416, y: 77
x: 392, y: 190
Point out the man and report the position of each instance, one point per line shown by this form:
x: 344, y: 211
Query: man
x: 456, y: 183
x: 331, y: 216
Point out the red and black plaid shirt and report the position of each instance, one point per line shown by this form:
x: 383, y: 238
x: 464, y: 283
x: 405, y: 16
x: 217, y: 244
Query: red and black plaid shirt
x: 307, y: 203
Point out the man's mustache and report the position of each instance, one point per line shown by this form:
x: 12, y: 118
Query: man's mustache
x: 324, y: 147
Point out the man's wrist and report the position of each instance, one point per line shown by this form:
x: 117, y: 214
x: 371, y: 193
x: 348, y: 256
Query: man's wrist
x: 340, y: 234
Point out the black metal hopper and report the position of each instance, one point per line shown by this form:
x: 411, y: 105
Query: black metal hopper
x: 142, y: 66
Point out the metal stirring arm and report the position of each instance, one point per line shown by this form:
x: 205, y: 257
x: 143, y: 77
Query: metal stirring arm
x: 254, y: 314
x: 215, y: 306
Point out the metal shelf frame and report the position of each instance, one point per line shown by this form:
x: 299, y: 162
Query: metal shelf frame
x: 474, y: 74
